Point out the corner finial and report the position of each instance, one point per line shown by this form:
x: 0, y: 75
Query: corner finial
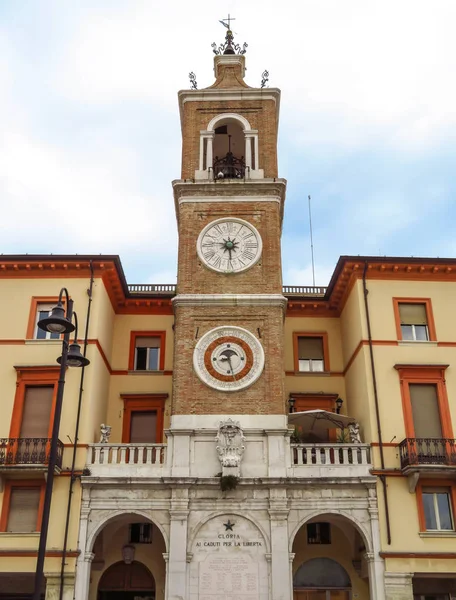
x: 229, y: 47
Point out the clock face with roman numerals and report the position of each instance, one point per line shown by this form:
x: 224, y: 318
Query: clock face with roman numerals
x: 229, y: 245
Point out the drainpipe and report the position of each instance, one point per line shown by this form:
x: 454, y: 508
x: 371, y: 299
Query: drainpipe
x: 377, y: 411
x: 76, y: 433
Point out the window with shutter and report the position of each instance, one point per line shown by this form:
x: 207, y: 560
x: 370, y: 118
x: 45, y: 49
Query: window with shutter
x: 414, y: 325
x: 147, y: 354
x: 143, y: 427
x: 24, y: 505
x: 310, y: 354
x: 147, y: 351
x: 425, y: 410
x: 36, y: 412
x: 414, y: 319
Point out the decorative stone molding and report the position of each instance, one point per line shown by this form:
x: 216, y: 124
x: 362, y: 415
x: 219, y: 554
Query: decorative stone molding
x: 230, y: 446
x: 230, y: 300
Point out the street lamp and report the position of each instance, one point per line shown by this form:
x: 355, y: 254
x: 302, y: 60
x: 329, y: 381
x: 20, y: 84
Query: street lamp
x: 57, y: 322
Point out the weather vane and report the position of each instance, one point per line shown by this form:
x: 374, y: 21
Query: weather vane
x: 228, y: 47
x: 229, y: 19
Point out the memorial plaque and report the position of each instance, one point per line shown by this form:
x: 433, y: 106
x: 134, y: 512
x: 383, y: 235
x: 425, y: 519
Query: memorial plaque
x: 228, y: 578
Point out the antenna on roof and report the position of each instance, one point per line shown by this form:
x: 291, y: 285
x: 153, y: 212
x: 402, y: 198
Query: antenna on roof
x: 311, y: 243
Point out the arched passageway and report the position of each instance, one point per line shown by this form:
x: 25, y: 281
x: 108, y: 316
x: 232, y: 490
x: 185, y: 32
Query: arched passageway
x: 329, y: 560
x: 128, y: 560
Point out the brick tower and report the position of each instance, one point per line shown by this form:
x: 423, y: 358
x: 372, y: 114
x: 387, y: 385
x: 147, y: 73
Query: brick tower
x: 229, y: 307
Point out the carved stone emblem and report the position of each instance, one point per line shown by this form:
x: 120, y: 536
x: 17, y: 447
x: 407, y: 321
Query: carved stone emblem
x: 230, y: 446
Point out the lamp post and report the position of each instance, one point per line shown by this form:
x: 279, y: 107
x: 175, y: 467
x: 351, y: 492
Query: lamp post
x: 57, y: 322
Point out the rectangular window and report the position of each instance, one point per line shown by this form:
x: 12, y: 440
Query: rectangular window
x: 414, y: 319
x: 318, y: 533
x: 43, y: 311
x: 414, y: 325
x: 22, y: 506
x: 36, y: 411
x: 143, y: 427
x: 310, y: 354
x: 140, y: 533
x: 147, y: 354
x: 147, y: 351
x: 437, y: 509
x: 425, y: 410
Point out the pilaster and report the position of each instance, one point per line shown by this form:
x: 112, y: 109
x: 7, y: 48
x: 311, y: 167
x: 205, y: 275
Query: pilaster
x: 398, y: 586
x: 176, y: 575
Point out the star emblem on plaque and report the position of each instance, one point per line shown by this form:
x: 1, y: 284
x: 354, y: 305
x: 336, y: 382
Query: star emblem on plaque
x: 229, y: 245
x: 228, y: 358
x: 228, y: 525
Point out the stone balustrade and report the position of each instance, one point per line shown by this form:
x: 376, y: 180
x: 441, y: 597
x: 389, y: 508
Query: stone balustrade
x: 330, y: 460
x: 126, y: 460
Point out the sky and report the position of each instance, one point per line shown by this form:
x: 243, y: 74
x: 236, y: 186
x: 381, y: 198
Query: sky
x: 90, y: 134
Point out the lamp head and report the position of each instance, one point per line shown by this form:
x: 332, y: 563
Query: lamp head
x: 339, y: 403
x: 57, y: 321
x: 74, y: 356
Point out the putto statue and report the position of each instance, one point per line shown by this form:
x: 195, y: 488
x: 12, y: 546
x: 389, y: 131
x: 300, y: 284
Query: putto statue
x: 353, y: 431
x: 105, y: 432
x: 230, y: 446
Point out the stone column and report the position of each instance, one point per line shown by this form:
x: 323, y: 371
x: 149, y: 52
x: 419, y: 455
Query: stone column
x: 209, y: 154
x: 248, y: 150
x: 53, y: 586
x: 398, y: 586
x: 281, y: 580
x: 375, y: 564
x: 176, y: 577
x: 82, y: 584
x: 85, y: 558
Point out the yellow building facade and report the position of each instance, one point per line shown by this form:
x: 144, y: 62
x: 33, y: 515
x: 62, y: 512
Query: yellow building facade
x: 231, y: 437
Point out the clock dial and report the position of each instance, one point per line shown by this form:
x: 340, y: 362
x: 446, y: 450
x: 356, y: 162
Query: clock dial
x: 229, y: 245
x: 228, y: 358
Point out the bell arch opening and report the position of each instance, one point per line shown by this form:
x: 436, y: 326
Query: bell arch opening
x: 228, y: 149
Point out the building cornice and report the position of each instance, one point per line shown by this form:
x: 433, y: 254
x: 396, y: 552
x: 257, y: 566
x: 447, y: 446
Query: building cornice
x: 224, y: 95
x: 229, y: 300
x: 253, y: 190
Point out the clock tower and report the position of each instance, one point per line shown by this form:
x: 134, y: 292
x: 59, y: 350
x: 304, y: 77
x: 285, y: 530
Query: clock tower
x: 229, y: 308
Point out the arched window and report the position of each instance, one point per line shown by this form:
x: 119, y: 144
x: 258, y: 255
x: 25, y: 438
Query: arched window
x: 229, y: 149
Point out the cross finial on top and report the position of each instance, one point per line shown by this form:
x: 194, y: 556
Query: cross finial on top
x: 229, y: 19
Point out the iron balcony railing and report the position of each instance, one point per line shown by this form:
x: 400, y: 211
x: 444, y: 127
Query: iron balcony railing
x: 170, y: 289
x: 27, y: 451
x: 229, y: 167
x: 427, y: 451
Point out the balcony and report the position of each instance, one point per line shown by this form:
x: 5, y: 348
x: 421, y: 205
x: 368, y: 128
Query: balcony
x: 229, y: 167
x: 330, y: 460
x: 27, y: 453
x: 427, y: 454
x: 127, y: 460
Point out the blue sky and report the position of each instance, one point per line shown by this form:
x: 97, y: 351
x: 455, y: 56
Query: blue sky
x: 90, y: 132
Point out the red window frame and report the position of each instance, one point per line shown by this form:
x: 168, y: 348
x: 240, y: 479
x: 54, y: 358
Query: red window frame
x: 138, y: 334
x: 143, y: 403
x: 429, y: 315
x: 424, y: 374
x: 9, y: 486
x: 314, y: 334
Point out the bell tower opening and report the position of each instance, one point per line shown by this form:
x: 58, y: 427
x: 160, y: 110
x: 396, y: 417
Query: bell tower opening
x: 229, y: 151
